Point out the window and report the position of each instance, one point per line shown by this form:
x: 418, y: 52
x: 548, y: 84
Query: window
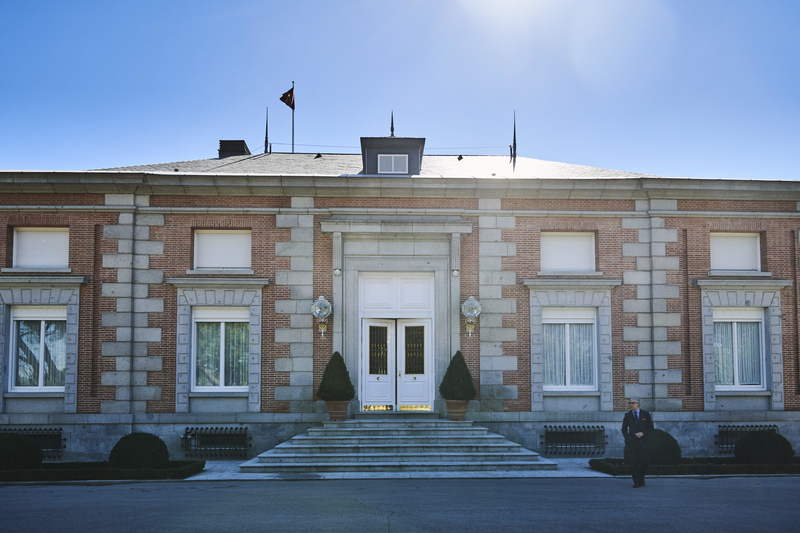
x: 567, y: 252
x: 738, y: 348
x: 736, y: 251
x: 41, y: 248
x: 568, y: 338
x: 38, y: 347
x: 221, y: 348
x: 222, y: 249
x: 392, y: 164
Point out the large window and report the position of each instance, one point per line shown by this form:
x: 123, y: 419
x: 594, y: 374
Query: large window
x: 41, y: 248
x: 738, y: 348
x: 392, y: 164
x: 221, y: 348
x: 568, y: 338
x: 567, y: 252
x: 736, y: 251
x: 38, y: 347
x: 222, y: 249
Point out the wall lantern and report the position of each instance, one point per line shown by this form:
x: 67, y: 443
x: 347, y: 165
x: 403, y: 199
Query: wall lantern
x: 321, y: 309
x: 471, y: 309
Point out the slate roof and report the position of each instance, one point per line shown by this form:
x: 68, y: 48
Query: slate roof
x: 471, y: 166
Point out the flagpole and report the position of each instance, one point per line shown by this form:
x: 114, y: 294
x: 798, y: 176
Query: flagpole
x: 266, y: 133
x: 293, y: 116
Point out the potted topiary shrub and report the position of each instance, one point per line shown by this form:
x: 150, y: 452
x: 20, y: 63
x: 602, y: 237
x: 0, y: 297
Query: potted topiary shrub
x: 457, y: 388
x: 336, y: 389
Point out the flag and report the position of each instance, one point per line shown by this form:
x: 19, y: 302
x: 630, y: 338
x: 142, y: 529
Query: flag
x: 288, y: 98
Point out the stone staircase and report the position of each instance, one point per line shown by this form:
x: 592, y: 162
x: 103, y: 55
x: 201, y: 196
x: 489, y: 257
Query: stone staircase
x: 397, y: 445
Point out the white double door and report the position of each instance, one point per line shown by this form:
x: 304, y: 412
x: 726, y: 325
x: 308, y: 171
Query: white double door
x: 396, y: 364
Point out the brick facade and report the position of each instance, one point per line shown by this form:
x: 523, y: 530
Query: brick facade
x: 134, y: 282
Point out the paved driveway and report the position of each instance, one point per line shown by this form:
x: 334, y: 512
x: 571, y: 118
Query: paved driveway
x: 400, y: 505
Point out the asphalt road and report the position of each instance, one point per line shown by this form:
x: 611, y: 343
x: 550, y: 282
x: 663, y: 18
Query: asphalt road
x: 447, y: 505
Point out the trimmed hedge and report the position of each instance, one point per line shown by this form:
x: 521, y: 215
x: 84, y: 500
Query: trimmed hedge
x: 763, y: 447
x: 698, y: 466
x: 88, y: 471
x: 139, y: 450
x: 19, y: 451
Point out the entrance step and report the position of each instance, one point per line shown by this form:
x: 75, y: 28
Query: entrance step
x: 397, y: 445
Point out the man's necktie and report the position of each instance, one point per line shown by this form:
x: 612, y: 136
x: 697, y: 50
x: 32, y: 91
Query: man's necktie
x: 636, y: 416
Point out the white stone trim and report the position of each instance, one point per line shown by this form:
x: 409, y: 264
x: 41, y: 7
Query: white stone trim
x: 207, y: 295
x: 761, y: 294
x: 44, y: 291
x: 565, y: 294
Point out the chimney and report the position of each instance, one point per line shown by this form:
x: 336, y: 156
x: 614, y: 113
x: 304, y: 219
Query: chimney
x: 229, y: 148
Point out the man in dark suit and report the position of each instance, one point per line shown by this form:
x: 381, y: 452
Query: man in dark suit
x: 636, y: 428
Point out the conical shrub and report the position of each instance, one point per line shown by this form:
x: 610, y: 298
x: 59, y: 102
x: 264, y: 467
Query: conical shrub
x: 336, y: 385
x: 457, y: 382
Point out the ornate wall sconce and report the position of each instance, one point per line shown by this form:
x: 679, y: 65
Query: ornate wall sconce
x: 321, y: 309
x: 471, y: 309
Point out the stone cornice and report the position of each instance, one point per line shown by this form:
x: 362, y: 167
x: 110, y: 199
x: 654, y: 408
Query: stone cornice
x: 570, y: 283
x: 767, y: 284
x: 252, y: 283
x: 395, y: 226
x: 365, y: 186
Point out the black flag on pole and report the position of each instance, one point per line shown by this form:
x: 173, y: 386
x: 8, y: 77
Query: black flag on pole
x: 288, y: 98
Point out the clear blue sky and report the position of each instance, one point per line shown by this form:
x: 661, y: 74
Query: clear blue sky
x: 700, y: 88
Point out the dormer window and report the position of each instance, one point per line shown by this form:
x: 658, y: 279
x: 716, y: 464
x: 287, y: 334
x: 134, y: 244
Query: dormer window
x: 392, y: 164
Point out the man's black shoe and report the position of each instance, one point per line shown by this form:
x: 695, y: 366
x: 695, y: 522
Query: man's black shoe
x: 636, y: 485
x: 641, y: 483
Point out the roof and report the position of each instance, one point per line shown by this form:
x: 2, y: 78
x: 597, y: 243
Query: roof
x: 446, y: 166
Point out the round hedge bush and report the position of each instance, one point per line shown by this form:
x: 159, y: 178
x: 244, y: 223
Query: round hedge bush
x: 18, y: 452
x: 763, y: 447
x: 139, y: 450
x: 664, y: 449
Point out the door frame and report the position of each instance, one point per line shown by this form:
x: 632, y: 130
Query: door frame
x: 347, y: 322
x: 395, y: 307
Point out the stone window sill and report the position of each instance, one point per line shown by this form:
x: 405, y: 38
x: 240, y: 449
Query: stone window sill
x: 743, y: 393
x: 571, y: 393
x: 218, y: 394
x: 569, y: 273
x: 22, y: 270
x: 221, y: 272
x: 34, y: 394
x: 739, y: 273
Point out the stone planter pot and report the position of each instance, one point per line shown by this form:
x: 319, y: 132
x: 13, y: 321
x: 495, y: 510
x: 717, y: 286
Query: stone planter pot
x: 337, y: 410
x: 456, y: 409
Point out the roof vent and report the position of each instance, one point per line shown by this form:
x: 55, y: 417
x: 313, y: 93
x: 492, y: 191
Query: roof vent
x: 229, y: 148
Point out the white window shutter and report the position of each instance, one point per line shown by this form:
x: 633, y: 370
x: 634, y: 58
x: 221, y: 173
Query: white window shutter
x: 567, y: 252
x: 41, y: 248
x: 215, y: 249
x: 736, y: 251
